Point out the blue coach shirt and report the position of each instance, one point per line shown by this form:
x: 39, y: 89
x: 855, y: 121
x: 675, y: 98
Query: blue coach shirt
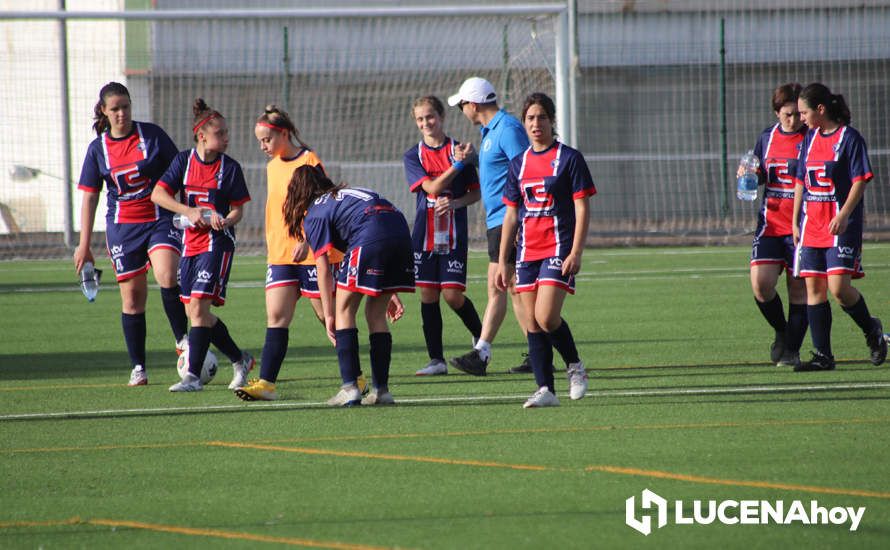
x: 502, y: 139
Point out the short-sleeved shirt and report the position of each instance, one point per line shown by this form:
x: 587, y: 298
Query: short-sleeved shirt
x: 543, y: 187
x: 218, y: 185
x: 129, y: 166
x: 778, y: 151
x: 279, y: 244
x: 828, y: 168
x: 352, y: 217
x: 503, y: 138
x: 424, y: 163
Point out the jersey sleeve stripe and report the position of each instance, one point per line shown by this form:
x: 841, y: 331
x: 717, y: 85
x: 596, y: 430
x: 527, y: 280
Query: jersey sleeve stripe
x: 590, y: 191
x: 324, y: 249
x: 419, y: 183
x: 166, y: 187
x: 864, y: 178
x: 508, y: 202
x: 87, y: 188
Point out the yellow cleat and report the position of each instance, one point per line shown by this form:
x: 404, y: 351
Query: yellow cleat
x: 257, y: 390
x: 362, y: 384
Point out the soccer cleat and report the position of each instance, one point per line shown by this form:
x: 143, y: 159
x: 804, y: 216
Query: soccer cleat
x: 433, y: 368
x: 577, y: 380
x: 257, y: 390
x: 789, y: 359
x: 138, y: 377
x: 542, y: 398
x: 182, y: 345
x: 189, y: 383
x: 523, y: 368
x: 877, y: 343
x: 379, y: 398
x: 470, y: 363
x: 777, y: 348
x: 346, y: 397
x: 819, y: 362
x: 362, y: 384
x: 241, y: 368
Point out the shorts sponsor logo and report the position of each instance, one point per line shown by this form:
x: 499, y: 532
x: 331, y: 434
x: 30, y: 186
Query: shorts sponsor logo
x: 117, y: 250
x: 204, y: 276
x: 845, y: 251
x: 455, y: 265
x: 656, y: 512
x: 418, y: 256
x: 554, y: 262
x: 174, y: 234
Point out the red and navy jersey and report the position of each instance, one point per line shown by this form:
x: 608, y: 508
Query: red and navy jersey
x: 218, y: 185
x: 424, y: 163
x: 130, y: 166
x: 351, y: 217
x: 828, y: 168
x: 778, y: 151
x: 543, y: 186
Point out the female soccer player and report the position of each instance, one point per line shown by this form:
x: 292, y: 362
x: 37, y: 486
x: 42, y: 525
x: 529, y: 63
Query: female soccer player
x: 832, y: 172
x: 546, y: 195
x: 377, y: 263
x: 444, y: 186
x: 129, y: 157
x: 773, y: 247
x: 207, y: 180
x: 286, y: 280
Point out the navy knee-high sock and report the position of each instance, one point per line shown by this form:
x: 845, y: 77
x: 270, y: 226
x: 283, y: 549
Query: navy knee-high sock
x: 199, y: 343
x: 797, y: 326
x: 470, y: 318
x: 540, y: 353
x: 820, y: 327
x: 381, y: 354
x: 175, y: 311
x: 274, y: 351
x: 859, y: 313
x: 773, y: 313
x: 134, y: 336
x: 347, y: 354
x: 431, y: 314
x: 219, y: 337
x: 564, y: 343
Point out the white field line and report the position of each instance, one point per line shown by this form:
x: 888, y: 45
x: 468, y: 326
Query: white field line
x: 730, y: 390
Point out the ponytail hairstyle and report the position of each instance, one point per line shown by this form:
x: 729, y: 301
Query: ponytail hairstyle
x: 203, y: 115
x: 307, y: 184
x: 546, y: 103
x: 786, y: 93
x: 101, y: 123
x: 816, y: 94
x: 432, y: 101
x: 276, y: 119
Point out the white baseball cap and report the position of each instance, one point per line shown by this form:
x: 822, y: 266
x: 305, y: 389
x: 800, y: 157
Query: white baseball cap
x: 474, y: 90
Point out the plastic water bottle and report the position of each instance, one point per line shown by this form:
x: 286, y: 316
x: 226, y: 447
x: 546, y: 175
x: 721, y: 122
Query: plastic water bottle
x: 442, y: 234
x: 89, y: 281
x: 747, y: 183
x: 181, y: 221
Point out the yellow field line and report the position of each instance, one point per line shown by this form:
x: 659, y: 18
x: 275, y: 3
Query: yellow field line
x: 736, y: 482
x: 192, y: 531
x: 595, y: 468
x: 469, y: 433
x: 380, y: 456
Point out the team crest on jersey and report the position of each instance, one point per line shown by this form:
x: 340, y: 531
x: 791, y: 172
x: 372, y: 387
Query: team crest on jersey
x: 486, y: 145
x: 554, y: 163
x: 836, y: 147
x: 140, y: 146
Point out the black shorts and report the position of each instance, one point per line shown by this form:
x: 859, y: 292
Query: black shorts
x: 494, y: 246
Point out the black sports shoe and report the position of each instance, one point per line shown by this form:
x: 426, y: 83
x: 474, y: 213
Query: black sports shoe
x: 818, y: 362
x: 523, y: 368
x: 777, y: 348
x: 470, y: 363
x: 876, y: 343
x: 789, y: 359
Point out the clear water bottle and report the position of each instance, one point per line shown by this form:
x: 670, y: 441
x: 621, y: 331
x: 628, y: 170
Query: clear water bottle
x: 181, y: 221
x: 442, y: 233
x: 746, y: 188
x: 89, y: 281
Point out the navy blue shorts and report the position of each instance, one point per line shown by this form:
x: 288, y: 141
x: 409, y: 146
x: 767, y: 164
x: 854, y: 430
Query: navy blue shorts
x: 441, y: 270
x: 129, y: 244
x: 546, y: 272
x: 843, y: 259
x: 303, y: 276
x: 205, y: 276
x: 773, y: 250
x: 378, y: 267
